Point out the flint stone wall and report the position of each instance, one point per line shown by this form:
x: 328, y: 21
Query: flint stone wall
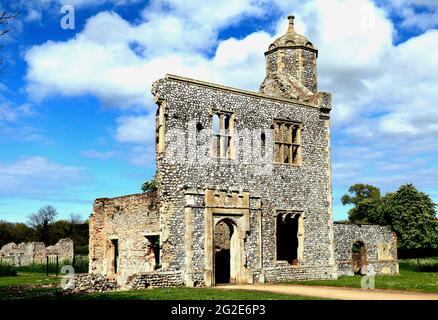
x: 302, y: 188
x: 87, y: 283
x: 155, y: 280
x: 380, y: 243
x: 25, y: 254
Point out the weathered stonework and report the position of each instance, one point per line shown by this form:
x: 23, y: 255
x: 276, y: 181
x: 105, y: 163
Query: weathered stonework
x: 25, y: 254
x: 129, y: 220
x: 218, y: 211
x: 380, y: 245
x: 86, y: 283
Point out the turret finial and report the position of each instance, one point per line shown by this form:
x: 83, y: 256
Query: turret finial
x: 291, y: 24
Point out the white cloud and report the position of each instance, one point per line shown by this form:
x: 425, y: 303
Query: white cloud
x: 37, y: 175
x: 417, y: 14
x: 136, y: 129
x: 383, y: 92
x: 101, y: 155
x: 118, y: 67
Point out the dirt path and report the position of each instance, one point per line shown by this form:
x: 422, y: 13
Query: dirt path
x: 340, y: 293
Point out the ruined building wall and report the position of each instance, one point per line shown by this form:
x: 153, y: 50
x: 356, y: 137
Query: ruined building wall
x: 380, y: 247
x: 127, y: 221
x: 25, y: 254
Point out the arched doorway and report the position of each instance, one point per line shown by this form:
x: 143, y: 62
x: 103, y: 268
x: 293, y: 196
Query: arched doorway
x: 224, y: 234
x: 359, y: 256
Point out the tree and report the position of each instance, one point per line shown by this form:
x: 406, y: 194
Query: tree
x: 5, y: 233
x: 5, y: 19
x: 149, y: 185
x: 412, y: 216
x: 41, y: 221
x: 15, y: 232
x: 363, y: 197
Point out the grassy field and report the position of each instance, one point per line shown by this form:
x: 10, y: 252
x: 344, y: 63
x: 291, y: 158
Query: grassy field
x: 36, y: 285
x: 188, y: 294
x: 27, y: 285
x: 414, y: 275
x: 39, y: 286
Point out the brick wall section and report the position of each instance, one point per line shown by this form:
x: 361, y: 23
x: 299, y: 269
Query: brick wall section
x: 128, y: 219
x: 380, y: 243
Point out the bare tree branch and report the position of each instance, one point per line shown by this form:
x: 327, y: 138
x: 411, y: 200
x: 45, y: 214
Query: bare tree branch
x: 5, y: 19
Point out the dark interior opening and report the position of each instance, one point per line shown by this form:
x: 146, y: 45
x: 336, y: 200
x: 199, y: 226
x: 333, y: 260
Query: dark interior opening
x: 359, y: 256
x: 115, y: 243
x: 223, y: 267
x: 263, y: 144
x: 155, y: 246
x: 222, y: 241
x: 287, y: 238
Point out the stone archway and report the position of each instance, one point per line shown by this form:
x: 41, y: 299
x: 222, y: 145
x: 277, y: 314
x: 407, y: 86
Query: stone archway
x: 228, y: 252
x: 358, y: 256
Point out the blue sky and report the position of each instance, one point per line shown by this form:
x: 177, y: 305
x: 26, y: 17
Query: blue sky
x: 77, y: 117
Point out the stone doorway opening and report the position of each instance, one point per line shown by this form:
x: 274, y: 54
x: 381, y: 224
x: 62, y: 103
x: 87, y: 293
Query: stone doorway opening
x: 287, y: 237
x: 224, y: 251
x: 359, y: 256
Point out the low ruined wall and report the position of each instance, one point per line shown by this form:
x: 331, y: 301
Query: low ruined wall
x: 128, y: 221
x: 25, y: 254
x: 155, y: 280
x: 86, y: 283
x: 288, y: 273
x: 380, y: 243
x: 64, y: 249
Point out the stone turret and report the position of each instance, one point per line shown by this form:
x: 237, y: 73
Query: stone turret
x: 291, y: 67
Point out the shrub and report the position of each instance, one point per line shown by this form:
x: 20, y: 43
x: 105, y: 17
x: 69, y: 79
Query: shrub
x: 7, y: 270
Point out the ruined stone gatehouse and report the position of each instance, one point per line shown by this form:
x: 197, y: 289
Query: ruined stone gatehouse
x: 243, y: 186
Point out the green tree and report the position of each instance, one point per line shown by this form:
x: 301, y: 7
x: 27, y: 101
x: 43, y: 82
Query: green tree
x: 5, y: 233
x: 15, y: 232
x: 149, y: 185
x: 363, y: 197
x: 412, y: 216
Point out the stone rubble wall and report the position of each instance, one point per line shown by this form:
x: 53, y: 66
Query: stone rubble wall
x: 380, y: 243
x: 289, y: 273
x: 25, y: 254
x: 87, y: 283
x: 64, y: 249
x: 128, y: 220
x: 155, y: 280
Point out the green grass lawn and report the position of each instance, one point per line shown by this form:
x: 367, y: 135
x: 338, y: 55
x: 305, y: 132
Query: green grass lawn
x: 188, y: 294
x: 411, y: 277
x: 27, y: 285
x: 32, y: 285
x: 39, y: 286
